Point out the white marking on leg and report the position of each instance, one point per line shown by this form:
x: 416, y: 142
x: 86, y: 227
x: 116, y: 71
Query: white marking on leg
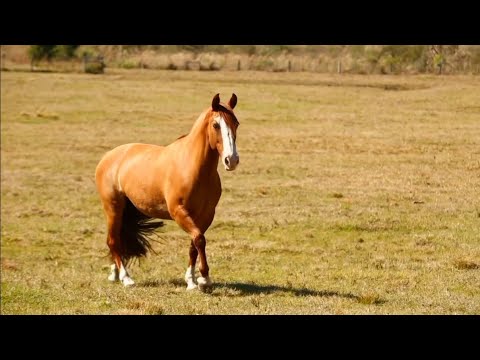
x: 204, y: 283
x: 114, y: 276
x: 190, y: 278
x: 124, y: 277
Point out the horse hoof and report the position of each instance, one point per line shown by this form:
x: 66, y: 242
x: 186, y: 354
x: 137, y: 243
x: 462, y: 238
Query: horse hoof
x: 204, y: 284
x: 127, y: 281
x: 192, y: 286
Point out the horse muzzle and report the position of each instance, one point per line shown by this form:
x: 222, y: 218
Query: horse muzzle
x: 231, y: 161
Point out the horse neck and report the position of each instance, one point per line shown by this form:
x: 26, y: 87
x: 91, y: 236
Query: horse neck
x: 205, y: 158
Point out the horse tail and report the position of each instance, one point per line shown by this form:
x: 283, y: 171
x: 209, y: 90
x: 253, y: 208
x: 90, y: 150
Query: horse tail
x: 136, y: 232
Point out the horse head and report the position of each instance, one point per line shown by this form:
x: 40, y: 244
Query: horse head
x: 222, y: 131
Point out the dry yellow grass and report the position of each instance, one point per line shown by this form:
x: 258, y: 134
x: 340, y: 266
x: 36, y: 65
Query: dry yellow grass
x: 355, y: 194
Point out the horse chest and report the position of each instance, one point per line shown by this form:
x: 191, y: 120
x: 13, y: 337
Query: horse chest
x: 203, y: 197
x: 204, y: 191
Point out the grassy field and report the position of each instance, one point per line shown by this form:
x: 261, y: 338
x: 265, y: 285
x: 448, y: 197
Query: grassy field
x: 354, y: 195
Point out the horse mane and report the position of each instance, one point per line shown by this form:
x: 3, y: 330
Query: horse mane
x: 228, y: 114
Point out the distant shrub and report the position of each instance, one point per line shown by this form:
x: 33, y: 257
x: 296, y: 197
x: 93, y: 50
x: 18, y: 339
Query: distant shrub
x: 357, y: 51
x: 241, y: 49
x: 193, y: 48
x: 264, y: 64
x: 41, y: 52
x: 65, y: 51
x: 128, y: 64
x: 334, y: 50
x: 95, y: 68
x: 373, y: 55
x: 48, y: 52
x: 85, y: 50
x: 274, y: 49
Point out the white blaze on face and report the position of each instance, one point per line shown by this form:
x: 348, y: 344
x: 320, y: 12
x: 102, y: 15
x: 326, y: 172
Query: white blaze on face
x: 229, y: 146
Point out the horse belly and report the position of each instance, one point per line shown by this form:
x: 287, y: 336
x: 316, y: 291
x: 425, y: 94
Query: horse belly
x: 155, y: 207
x: 160, y: 211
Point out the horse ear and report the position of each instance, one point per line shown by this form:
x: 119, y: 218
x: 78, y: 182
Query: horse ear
x: 216, y: 102
x: 233, y: 101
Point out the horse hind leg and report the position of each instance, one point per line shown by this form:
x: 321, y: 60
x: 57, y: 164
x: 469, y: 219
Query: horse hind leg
x: 114, y: 213
x: 118, y: 269
x: 120, y: 275
x: 114, y: 274
x: 114, y: 204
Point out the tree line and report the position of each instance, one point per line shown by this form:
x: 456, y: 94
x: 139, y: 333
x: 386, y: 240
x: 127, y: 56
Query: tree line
x: 349, y: 58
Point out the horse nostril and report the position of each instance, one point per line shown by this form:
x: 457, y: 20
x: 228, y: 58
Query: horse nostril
x: 227, y: 162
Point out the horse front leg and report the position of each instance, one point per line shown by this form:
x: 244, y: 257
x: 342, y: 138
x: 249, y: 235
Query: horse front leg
x: 197, y: 247
x: 204, y: 282
x: 190, y: 274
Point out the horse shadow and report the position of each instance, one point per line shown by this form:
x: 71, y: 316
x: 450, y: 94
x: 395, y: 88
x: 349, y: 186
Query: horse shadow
x: 248, y: 289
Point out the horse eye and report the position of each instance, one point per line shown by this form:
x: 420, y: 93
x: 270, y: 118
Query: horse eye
x: 216, y: 125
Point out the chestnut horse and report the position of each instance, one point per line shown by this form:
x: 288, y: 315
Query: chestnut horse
x: 140, y: 182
